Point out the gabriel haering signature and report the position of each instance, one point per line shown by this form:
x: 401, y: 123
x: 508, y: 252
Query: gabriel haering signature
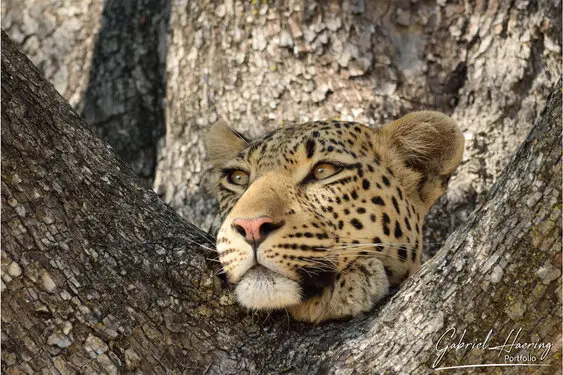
x: 535, y: 351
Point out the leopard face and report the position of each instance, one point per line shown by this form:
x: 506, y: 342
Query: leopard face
x: 321, y: 218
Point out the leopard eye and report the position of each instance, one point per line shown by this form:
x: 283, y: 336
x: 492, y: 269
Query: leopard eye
x: 238, y: 177
x: 325, y: 170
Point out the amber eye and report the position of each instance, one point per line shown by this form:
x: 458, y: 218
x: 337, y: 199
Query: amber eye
x: 238, y: 177
x: 325, y: 170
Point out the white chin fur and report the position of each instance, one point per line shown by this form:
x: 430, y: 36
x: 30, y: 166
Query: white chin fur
x: 261, y: 288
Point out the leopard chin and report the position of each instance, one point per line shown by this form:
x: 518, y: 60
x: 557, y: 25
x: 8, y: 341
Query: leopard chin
x: 262, y: 288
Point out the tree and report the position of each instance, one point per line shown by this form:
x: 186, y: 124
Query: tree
x: 258, y: 64
x: 490, y: 65
x: 99, y: 275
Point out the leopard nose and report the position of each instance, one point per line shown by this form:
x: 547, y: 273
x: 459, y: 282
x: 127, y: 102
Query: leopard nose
x: 256, y: 230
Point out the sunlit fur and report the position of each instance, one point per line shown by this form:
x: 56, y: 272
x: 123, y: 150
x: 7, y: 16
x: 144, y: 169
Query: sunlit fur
x: 345, y: 239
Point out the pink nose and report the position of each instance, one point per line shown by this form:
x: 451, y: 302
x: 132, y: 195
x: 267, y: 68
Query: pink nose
x: 255, y: 230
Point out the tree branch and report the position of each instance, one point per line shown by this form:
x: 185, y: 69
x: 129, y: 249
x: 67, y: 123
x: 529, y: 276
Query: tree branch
x: 98, y: 275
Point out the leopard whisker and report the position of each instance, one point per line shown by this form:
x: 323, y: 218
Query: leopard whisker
x: 201, y: 245
x: 213, y: 260
x: 370, y: 238
x: 382, y: 256
x: 191, y: 241
x: 220, y: 272
x: 208, y: 235
x: 393, y: 245
x: 322, y: 269
x: 287, y: 316
x: 207, y: 248
x: 375, y: 254
x: 309, y: 272
x: 361, y: 252
x: 314, y: 260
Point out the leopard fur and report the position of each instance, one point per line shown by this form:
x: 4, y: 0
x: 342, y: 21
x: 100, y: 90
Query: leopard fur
x: 328, y: 248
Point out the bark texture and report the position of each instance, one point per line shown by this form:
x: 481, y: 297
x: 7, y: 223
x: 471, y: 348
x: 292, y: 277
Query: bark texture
x: 260, y: 64
x: 108, y: 59
x: 100, y: 276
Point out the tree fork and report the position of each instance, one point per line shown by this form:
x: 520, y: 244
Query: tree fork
x: 100, y: 276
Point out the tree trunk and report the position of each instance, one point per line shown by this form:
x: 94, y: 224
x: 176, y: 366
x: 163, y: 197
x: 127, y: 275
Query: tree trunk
x: 100, y: 276
x: 108, y: 59
x: 258, y: 65
x: 490, y: 64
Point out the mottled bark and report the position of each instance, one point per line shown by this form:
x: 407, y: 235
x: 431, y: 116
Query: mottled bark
x: 58, y: 37
x: 99, y: 275
x: 108, y: 58
x: 258, y: 65
x: 123, y: 101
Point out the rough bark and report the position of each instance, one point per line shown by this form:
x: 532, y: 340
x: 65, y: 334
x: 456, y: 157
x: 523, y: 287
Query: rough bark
x: 108, y: 59
x: 99, y: 275
x: 490, y: 64
x: 126, y: 86
x: 258, y: 65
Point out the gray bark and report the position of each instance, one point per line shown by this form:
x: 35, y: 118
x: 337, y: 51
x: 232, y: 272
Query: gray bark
x: 100, y: 276
x: 126, y: 86
x: 490, y: 64
x: 108, y: 59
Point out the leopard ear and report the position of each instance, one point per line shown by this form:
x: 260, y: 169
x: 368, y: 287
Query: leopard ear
x: 223, y: 143
x: 430, y: 144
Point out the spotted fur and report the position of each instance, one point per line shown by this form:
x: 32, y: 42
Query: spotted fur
x: 338, y: 243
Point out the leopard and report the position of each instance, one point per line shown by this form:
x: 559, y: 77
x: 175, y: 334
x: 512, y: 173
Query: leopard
x: 325, y: 218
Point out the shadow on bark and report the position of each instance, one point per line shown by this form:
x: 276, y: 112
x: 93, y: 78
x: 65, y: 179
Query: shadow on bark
x: 100, y: 276
x: 123, y: 101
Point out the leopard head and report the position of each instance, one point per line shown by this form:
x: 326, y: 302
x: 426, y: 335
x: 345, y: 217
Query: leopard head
x: 313, y: 213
